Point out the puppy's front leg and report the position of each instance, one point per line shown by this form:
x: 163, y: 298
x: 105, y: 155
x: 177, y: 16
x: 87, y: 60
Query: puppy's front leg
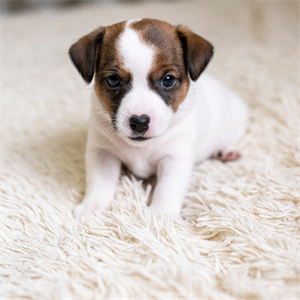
x: 102, y: 174
x: 173, y: 178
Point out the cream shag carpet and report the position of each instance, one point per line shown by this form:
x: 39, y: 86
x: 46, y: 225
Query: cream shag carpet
x: 240, y: 237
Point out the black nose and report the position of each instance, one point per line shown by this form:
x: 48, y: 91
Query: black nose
x: 139, y: 124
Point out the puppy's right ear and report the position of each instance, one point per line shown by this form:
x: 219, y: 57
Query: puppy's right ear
x: 83, y: 53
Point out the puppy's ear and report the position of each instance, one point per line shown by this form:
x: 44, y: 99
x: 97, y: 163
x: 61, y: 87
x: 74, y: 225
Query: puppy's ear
x: 197, y: 51
x: 83, y: 53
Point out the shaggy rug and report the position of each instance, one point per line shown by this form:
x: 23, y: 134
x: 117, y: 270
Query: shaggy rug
x: 240, y: 236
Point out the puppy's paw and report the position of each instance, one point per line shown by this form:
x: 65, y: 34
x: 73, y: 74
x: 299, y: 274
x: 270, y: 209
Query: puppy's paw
x: 226, y: 155
x: 83, y: 211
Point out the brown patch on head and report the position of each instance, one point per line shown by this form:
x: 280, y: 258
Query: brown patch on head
x: 168, y: 59
x: 109, y: 62
x: 179, y: 51
x: 97, y: 53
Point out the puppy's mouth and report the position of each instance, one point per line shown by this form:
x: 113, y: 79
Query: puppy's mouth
x: 139, y: 138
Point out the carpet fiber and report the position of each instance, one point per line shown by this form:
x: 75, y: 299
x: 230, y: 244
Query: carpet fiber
x: 240, y: 237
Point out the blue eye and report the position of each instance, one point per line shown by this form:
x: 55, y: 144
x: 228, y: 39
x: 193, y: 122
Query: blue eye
x: 168, y: 81
x: 113, y: 81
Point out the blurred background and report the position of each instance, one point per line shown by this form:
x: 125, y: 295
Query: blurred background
x: 15, y: 6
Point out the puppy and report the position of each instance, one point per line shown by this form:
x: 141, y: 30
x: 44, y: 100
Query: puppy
x: 151, y: 111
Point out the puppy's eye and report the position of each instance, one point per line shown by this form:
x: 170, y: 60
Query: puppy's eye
x: 168, y: 81
x: 113, y: 81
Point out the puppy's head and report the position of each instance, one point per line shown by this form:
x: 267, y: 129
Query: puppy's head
x: 142, y: 69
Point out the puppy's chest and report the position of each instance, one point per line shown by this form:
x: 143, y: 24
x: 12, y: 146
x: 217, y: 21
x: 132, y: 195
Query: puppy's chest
x: 139, y: 162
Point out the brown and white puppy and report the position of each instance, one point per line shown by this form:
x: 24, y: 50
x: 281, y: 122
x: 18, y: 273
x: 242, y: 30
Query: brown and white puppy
x: 151, y: 111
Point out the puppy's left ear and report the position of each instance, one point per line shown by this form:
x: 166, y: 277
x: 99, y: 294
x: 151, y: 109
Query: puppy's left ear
x: 197, y: 51
x: 83, y: 53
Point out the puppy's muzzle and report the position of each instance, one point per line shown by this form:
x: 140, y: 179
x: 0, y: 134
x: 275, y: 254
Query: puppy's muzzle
x: 139, y: 124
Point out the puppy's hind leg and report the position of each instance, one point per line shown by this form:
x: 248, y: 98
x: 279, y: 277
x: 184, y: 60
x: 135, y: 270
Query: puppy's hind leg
x: 232, y: 131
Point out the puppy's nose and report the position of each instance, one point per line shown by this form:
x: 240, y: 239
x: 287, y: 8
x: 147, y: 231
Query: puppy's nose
x: 139, y: 124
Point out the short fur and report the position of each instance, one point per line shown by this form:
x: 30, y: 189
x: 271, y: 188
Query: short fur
x: 189, y: 120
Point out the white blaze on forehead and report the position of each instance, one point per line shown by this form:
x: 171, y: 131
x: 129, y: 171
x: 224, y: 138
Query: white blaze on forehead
x: 137, y: 55
x: 133, y: 20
